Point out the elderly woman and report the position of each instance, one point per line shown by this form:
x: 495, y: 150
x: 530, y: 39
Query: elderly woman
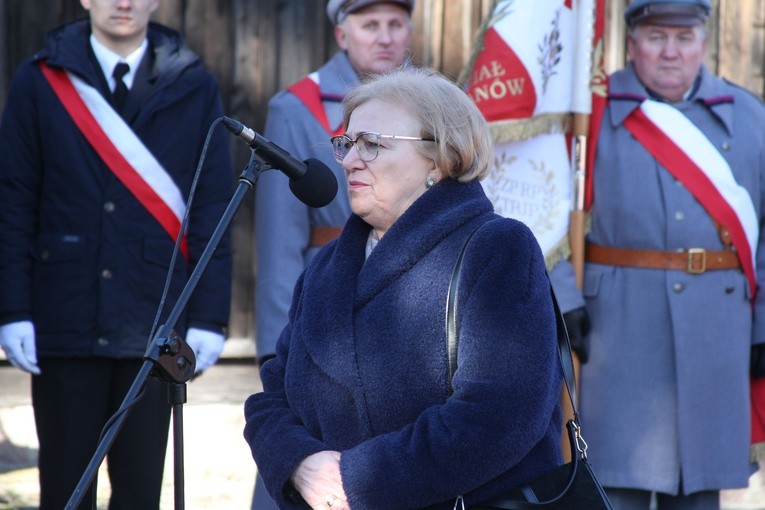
x: 358, y: 409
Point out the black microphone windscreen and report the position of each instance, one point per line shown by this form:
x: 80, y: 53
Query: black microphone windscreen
x: 317, y: 187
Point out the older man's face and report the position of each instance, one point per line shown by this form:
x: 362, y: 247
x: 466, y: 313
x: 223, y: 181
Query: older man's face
x: 667, y: 59
x: 376, y: 38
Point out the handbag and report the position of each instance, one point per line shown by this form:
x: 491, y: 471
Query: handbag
x: 572, y: 486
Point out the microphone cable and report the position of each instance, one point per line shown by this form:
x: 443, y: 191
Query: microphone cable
x: 126, y: 406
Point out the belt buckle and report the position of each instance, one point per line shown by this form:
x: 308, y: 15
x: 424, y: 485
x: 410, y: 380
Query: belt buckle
x: 697, y: 260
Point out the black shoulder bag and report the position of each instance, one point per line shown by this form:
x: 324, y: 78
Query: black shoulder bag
x: 572, y: 486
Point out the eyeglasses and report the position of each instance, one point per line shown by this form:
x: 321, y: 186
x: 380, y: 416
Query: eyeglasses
x: 367, y: 144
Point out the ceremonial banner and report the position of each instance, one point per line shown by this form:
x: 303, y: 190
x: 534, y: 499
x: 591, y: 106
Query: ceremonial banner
x: 530, y: 181
x: 523, y: 68
x: 530, y: 75
x: 520, y: 77
x: 599, y: 88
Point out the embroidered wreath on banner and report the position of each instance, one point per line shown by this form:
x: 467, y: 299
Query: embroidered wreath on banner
x: 498, y: 180
x: 546, y: 220
x: 550, y: 51
x: 504, y: 10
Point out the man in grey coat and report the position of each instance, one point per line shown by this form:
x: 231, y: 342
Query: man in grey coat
x: 673, y: 261
x: 373, y: 37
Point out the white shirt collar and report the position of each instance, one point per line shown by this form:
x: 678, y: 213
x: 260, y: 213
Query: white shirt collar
x: 107, y: 59
x: 371, y: 242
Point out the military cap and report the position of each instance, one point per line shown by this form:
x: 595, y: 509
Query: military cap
x: 337, y: 10
x: 667, y: 12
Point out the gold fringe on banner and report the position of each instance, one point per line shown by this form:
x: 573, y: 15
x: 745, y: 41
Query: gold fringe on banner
x: 560, y: 251
x: 515, y: 130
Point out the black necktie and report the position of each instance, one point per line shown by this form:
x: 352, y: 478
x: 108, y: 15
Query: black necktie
x: 120, y: 90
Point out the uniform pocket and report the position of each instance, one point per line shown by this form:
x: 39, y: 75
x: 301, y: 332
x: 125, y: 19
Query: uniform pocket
x: 63, y: 286
x: 593, y: 279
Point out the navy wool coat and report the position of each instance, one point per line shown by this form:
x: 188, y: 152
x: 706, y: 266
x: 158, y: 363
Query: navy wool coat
x: 361, y: 368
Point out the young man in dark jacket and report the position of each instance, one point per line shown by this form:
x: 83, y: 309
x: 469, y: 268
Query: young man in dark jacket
x: 95, y: 177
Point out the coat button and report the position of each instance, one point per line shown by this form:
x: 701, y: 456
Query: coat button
x: 729, y: 290
x: 103, y: 342
x: 678, y: 288
x: 106, y: 274
x: 725, y: 146
x: 109, y: 207
x: 45, y: 254
x: 679, y: 215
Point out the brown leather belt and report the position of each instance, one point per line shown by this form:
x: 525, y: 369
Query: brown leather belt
x: 692, y: 260
x: 322, y: 235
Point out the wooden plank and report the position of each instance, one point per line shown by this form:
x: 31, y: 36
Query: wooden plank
x: 730, y: 46
x: 247, y: 104
x: 456, y: 41
x: 208, y: 24
x: 24, y: 26
x: 427, y: 36
x: 170, y: 13
x: 300, y: 40
x: 758, y: 49
x: 711, y: 59
x: 615, y: 35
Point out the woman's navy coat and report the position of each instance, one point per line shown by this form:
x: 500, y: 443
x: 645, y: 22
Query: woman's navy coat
x: 361, y: 367
x: 80, y: 256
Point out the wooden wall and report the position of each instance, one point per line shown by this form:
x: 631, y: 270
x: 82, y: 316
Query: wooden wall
x: 256, y: 47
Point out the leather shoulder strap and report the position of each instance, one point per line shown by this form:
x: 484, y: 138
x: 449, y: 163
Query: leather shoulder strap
x: 564, y: 344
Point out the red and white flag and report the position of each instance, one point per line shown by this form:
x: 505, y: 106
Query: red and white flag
x: 528, y: 63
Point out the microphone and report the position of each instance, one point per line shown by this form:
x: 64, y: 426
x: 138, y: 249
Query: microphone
x: 311, y: 181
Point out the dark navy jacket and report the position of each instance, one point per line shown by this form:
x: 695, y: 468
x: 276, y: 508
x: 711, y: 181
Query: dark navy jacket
x: 80, y: 257
x: 362, y: 369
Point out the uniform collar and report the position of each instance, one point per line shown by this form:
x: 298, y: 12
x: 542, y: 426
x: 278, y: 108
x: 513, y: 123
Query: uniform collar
x: 625, y: 93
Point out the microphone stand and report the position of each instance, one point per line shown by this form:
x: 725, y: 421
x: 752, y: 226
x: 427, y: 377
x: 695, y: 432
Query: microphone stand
x: 169, y: 357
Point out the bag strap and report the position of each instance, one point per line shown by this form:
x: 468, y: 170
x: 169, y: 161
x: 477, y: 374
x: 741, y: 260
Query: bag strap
x: 564, y: 344
x: 577, y: 443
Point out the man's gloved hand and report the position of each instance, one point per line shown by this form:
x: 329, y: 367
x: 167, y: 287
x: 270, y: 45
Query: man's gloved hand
x: 578, y: 327
x: 206, y: 345
x: 757, y: 361
x: 18, y: 341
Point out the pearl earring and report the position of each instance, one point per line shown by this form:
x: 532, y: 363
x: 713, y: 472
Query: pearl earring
x: 429, y: 182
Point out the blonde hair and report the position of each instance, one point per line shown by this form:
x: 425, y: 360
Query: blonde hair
x: 463, y: 148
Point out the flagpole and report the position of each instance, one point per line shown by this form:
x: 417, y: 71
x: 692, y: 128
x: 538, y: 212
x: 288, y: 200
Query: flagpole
x: 581, y: 108
x: 576, y: 227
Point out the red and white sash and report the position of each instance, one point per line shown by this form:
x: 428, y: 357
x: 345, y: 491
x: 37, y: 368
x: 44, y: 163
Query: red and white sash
x: 671, y: 138
x: 121, y: 150
x: 309, y: 93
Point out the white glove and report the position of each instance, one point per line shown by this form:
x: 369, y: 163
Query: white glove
x: 206, y: 345
x: 18, y: 341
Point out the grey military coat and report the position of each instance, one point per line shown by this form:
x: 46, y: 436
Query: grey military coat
x: 665, y: 395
